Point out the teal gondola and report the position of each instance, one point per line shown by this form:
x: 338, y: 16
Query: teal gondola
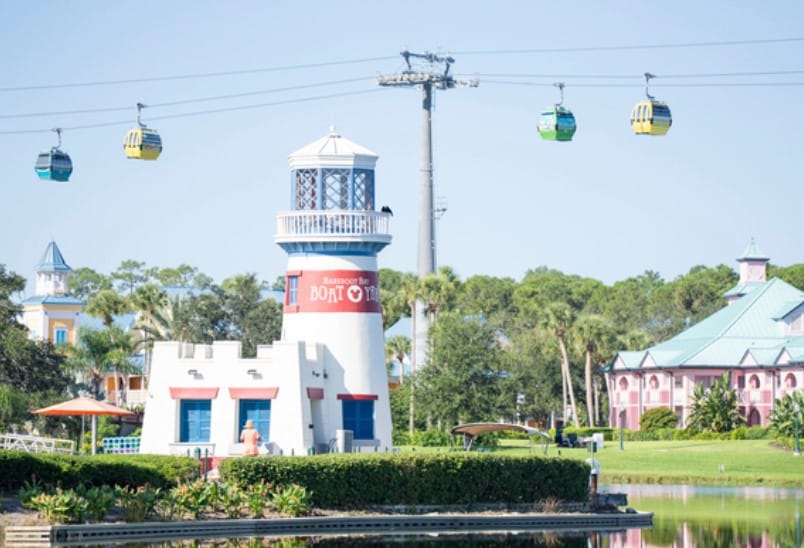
x: 557, y: 123
x: 54, y: 164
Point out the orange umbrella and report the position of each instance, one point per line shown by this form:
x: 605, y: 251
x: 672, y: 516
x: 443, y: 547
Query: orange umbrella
x: 81, y: 407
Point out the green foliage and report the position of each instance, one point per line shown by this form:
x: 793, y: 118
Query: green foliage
x: 360, y: 480
x: 258, y: 497
x: 13, y: 407
x: 68, y: 471
x: 292, y: 501
x: 432, y: 437
x: 461, y: 381
x: 99, y: 501
x: 715, y: 410
x: 231, y: 499
x: 783, y: 417
x: 195, y: 497
x: 137, y: 504
x: 60, y: 506
x: 657, y: 418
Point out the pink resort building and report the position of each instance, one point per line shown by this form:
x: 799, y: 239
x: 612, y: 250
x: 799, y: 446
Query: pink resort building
x: 758, y: 338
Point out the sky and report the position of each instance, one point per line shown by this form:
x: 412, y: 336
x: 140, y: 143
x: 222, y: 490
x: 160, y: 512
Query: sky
x: 608, y: 205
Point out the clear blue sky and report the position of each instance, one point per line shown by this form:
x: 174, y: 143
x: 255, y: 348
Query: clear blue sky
x: 608, y: 205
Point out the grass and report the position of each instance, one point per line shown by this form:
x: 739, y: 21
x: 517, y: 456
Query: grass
x: 744, y: 462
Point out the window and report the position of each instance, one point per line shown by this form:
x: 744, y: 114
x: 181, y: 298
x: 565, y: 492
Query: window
x: 364, y: 189
x: 336, y: 188
x: 194, y: 418
x: 358, y: 416
x: 60, y: 336
x: 260, y: 412
x: 306, y: 189
x: 678, y: 381
x: 293, y: 290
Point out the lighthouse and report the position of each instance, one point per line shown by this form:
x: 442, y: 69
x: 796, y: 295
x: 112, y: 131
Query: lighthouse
x: 332, y: 235
x: 323, y: 385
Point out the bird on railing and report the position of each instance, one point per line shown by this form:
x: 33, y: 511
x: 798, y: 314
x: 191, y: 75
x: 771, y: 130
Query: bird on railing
x: 386, y: 209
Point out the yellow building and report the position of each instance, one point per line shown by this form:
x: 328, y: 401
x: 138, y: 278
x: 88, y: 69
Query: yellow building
x: 51, y: 314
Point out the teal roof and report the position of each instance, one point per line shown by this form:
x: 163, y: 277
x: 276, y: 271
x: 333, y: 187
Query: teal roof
x: 753, y: 253
x: 54, y: 300
x: 743, y: 288
x: 52, y: 259
x: 750, y: 324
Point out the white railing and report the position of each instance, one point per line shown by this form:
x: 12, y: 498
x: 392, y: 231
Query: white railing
x: 35, y: 444
x: 335, y: 222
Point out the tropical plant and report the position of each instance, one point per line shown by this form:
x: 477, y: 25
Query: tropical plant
x: 715, y: 409
x: 558, y: 318
x: 784, y: 415
x: 292, y: 500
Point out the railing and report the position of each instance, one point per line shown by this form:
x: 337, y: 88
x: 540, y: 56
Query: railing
x: 335, y: 222
x: 35, y: 444
x: 120, y: 446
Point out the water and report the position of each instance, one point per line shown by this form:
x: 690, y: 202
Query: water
x: 689, y: 517
x: 684, y: 516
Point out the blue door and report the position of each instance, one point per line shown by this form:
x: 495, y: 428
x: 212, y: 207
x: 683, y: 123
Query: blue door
x: 194, y: 417
x: 358, y: 416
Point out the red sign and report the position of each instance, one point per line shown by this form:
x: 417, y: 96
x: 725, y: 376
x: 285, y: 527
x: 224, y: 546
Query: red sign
x: 335, y: 291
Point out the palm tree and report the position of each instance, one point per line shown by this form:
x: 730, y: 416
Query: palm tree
x: 397, y: 348
x: 558, y: 319
x: 106, y: 304
x: 100, y: 353
x: 149, y: 300
x: 588, y: 331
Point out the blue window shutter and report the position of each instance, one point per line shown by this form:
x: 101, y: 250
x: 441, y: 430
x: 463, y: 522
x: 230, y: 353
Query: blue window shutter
x: 260, y: 412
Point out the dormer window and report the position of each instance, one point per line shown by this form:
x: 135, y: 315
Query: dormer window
x: 795, y: 323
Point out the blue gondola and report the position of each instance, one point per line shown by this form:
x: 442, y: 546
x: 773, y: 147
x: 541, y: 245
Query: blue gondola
x: 54, y: 164
x: 557, y: 123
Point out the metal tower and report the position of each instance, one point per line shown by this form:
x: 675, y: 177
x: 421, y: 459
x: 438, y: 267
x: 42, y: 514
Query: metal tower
x: 435, y: 75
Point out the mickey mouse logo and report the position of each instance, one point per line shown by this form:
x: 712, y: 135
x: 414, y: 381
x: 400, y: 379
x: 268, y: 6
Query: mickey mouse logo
x: 354, y: 293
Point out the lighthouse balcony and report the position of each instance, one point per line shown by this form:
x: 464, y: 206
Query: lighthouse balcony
x: 368, y: 229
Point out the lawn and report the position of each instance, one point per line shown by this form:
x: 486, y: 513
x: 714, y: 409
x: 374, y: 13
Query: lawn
x: 746, y: 462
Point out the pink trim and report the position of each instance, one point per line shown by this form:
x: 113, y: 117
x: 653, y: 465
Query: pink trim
x: 177, y: 393
x: 357, y: 396
x: 315, y: 393
x: 266, y: 393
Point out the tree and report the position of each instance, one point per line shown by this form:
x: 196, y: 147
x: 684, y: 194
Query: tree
x: 397, y: 348
x: 148, y: 299
x: 715, y: 410
x: 462, y: 379
x: 106, y: 304
x: 783, y: 416
x: 591, y: 332
x: 101, y: 352
x: 439, y: 291
x: 130, y: 275
x: 491, y: 298
x: 84, y: 282
x: 558, y: 318
x: 30, y: 367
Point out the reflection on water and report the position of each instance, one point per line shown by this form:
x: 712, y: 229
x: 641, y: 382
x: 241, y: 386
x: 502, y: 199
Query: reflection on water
x: 535, y: 539
x: 691, y: 516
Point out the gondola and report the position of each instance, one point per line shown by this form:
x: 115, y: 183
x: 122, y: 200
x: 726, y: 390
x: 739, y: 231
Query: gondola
x: 649, y: 116
x: 54, y: 164
x: 557, y: 123
x: 141, y: 142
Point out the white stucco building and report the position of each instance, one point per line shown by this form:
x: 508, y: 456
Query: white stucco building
x: 326, y: 377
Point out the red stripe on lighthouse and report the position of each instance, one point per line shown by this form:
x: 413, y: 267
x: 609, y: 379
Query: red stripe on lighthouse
x: 336, y: 291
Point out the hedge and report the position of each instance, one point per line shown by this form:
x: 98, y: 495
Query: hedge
x: 69, y: 471
x: 360, y: 480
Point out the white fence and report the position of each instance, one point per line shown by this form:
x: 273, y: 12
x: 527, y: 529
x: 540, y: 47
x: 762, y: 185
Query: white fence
x: 35, y: 444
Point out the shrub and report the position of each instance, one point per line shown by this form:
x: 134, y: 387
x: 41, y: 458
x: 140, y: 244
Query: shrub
x: 657, y: 418
x: 432, y: 437
x: 60, y: 506
x: 359, y: 479
x: 137, y: 504
x: 292, y: 500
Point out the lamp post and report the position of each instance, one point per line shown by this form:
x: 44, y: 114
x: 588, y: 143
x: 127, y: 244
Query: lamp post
x: 796, y: 409
x: 620, y: 415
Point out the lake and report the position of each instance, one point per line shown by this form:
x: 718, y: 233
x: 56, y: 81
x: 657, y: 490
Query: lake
x: 692, y: 516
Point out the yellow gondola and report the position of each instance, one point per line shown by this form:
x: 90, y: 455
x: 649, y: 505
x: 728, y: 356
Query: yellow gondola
x: 141, y: 142
x: 649, y: 116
